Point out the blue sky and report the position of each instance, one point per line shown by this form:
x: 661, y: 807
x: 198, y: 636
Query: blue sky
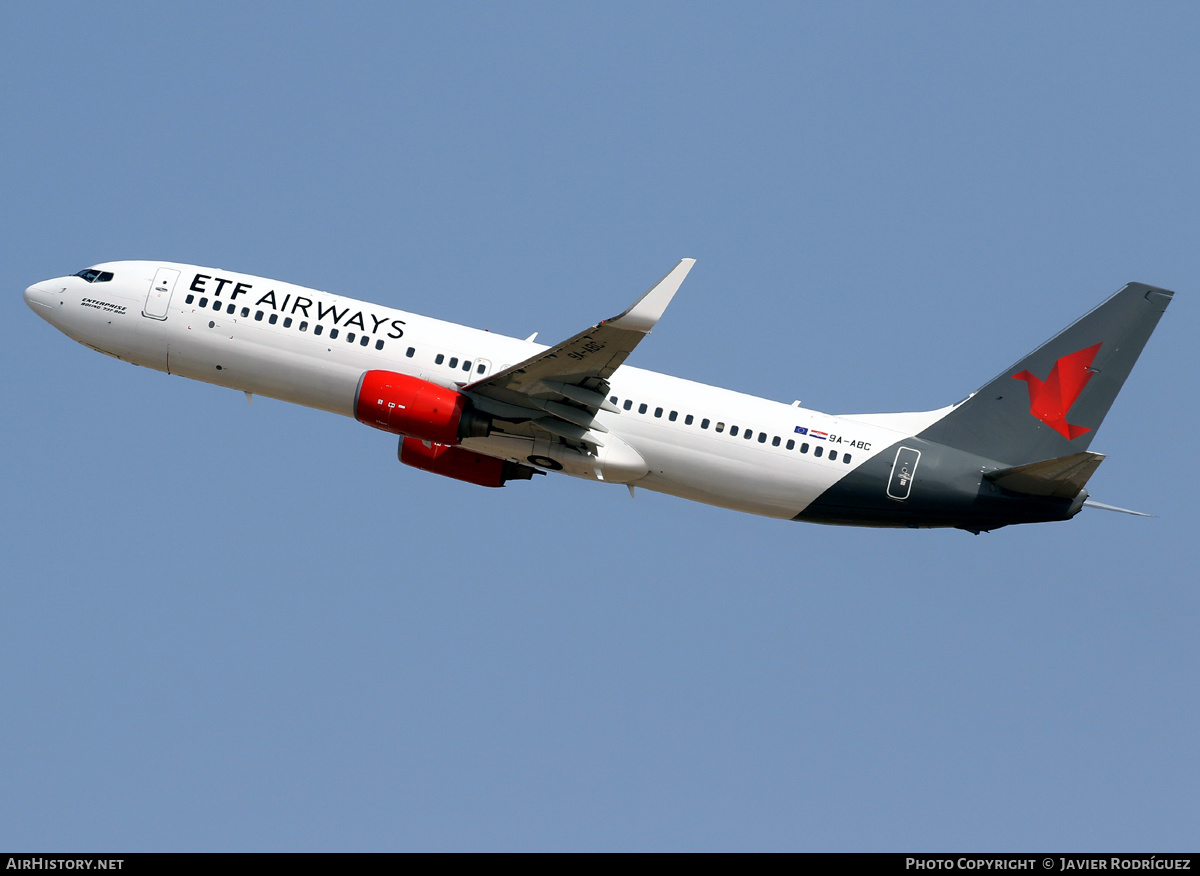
x: 237, y: 627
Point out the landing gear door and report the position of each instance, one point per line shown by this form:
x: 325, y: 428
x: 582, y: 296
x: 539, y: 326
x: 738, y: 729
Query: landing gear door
x: 159, y: 296
x: 903, y: 470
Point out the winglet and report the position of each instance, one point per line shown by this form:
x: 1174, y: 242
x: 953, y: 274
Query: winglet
x: 648, y: 309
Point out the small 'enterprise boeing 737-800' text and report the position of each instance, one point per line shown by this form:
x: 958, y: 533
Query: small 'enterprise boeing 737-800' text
x: 487, y: 409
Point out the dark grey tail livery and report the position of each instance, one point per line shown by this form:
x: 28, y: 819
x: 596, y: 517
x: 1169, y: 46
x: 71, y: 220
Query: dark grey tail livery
x: 1051, y: 403
x: 1016, y: 450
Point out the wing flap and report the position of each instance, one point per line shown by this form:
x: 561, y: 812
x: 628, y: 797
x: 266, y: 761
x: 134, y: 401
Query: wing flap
x: 586, y: 397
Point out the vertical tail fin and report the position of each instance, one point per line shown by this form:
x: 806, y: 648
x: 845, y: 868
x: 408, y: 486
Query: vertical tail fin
x: 1051, y: 403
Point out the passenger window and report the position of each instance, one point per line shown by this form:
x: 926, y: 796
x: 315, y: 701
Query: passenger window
x: 833, y: 456
x: 466, y: 366
x: 818, y: 450
x: 349, y: 337
x: 333, y: 333
x: 804, y: 447
x: 673, y: 416
x: 204, y: 302
x: 749, y: 434
x: 733, y: 430
x: 791, y: 445
x: 762, y: 438
x: 658, y: 412
x: 613, y: 399
x: 439, y: 359
x: 687, y: 421
x: 642, y: 408
x: 303, y: 325
x: 628, y: 404
x: 258, y: 315
x: 479, y: 368
x: 775, y: 441
x: 846, y: 458
x: 364, y: 341
x: 287, y: 322
x: 453, y: 361
x: 410, y: 352
x: 318, y: 328
x: 189, y: 299
x: 379, y: 344
x: 721, y: 427
x: 229, y: 309
x: 704, y: 423
x: 245, y: 312
x: 273, y: 319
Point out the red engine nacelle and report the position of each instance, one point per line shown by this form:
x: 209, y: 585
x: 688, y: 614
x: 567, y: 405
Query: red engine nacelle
x: 407, y: 405
x: 461, y: 464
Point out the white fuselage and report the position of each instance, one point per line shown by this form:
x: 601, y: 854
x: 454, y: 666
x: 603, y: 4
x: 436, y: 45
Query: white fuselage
x: 309, y: 347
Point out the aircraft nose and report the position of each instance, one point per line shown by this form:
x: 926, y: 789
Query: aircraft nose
x: 38, y: 297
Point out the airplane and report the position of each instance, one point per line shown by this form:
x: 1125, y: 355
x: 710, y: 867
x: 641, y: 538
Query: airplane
x: 487, y: 409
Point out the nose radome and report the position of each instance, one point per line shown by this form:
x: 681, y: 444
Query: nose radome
x: 38, y: 297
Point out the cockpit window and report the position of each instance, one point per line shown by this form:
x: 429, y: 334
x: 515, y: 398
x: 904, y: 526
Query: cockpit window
x: 94, y: 276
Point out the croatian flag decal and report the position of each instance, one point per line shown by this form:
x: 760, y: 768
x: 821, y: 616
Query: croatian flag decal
x: 815, y: 434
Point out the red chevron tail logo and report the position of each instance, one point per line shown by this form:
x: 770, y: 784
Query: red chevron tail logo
x: 1050, y: 400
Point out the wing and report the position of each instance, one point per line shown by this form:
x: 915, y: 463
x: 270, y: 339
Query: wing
x: 559, y: 390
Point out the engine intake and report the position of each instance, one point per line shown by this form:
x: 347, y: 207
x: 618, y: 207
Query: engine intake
x: 405, y: 405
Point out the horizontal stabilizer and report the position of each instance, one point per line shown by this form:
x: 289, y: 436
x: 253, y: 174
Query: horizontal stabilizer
x: 1061, y: 478
x: 1090, y: 504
